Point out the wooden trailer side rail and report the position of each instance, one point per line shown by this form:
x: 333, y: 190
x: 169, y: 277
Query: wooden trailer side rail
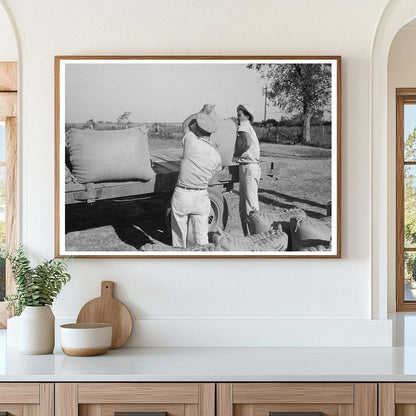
x: 164, y: 182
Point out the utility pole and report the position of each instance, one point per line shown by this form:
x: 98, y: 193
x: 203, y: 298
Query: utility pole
x: 265, y: 101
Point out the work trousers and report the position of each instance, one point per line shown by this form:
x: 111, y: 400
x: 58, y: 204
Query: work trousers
x: 189, y: 218
x: 249, y: 185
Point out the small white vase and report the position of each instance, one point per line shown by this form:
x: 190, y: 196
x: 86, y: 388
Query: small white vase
x: 37, y: 330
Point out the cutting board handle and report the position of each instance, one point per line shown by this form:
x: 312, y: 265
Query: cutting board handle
x: 107, y: 289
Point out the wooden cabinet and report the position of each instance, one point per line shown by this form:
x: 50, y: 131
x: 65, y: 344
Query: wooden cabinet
x: 264, y: 399
x: 27, y: 399
x: 397, y: 399
x: 208, y: 399
x: 106, y: 399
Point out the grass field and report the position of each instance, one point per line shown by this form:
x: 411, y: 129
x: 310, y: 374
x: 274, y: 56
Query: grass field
x: 320, y: 135
x: 303, y: 180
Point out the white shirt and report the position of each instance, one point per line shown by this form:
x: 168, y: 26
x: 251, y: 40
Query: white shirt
x: 252, y: 155
x: 200, y: 161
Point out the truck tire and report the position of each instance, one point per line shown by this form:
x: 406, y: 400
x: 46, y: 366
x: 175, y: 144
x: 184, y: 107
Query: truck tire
x: 218, y: 216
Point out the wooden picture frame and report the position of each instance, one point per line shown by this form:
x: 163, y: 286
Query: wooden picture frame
x: 119, y: 139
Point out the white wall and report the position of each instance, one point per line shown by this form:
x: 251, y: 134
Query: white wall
x: 199, y: 302
x: 401, y: 74
x: 8, y: 46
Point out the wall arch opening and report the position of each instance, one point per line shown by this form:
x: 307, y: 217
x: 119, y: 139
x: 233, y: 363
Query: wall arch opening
x: 396, y: 15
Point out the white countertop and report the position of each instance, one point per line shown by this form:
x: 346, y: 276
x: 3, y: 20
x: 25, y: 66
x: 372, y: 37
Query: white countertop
x: 222, y: 364
x: 215, y: 364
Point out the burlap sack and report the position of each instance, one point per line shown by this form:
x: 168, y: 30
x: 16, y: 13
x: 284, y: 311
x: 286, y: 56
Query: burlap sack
x: 274, y: 240
x: 158, y: 246
x: 317, y: 248
x: 262, y: 221
x: 225, y: 139
x: 310, y: 232
x: 112, y: 155
x: 68, y: 176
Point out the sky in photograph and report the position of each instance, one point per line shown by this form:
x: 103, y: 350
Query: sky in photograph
x: 160, y: 92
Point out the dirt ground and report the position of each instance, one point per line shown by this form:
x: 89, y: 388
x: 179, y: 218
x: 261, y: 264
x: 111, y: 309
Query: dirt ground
x: 303, y: 180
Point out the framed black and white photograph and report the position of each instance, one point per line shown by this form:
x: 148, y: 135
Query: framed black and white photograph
x: 198, y: 156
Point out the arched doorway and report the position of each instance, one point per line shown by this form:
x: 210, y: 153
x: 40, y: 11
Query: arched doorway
x: 396, y: 15
x: 401, y: 101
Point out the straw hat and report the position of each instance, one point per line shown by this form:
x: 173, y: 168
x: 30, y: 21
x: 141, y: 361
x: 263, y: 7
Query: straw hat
x: 206, y: 123
x: 248, y: 110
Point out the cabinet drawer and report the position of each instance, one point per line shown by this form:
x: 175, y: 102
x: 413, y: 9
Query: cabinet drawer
x: 145, y: 399
x: 296, y: 399
x: 21, y: 399
x: 138, y: 393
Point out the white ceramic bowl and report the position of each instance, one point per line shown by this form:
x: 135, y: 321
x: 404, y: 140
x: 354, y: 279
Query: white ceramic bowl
x: 83, y: 340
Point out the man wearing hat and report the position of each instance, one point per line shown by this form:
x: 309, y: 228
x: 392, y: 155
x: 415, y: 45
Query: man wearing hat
x: 247, y: 155
x: 206, y: 108
x: 190, y: 201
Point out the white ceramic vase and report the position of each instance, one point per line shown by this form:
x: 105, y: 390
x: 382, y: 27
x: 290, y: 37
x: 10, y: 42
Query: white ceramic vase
x: 37, y: 330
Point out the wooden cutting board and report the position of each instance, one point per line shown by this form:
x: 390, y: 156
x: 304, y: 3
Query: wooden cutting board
x: 108, y: 310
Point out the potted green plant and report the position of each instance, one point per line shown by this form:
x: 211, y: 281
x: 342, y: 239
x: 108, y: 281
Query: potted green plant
x: 36, y: 289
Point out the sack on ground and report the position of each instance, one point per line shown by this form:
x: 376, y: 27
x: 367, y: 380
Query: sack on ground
x: 317, y: 248
x: 158, y: 246
x: 68, y: 176
x: 111, y: 155
x: 310, y: 232
x: 273, y: 240
x: 262, y: 221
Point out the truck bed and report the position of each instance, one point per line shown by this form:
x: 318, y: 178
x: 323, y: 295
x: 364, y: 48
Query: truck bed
x: 166, y: 169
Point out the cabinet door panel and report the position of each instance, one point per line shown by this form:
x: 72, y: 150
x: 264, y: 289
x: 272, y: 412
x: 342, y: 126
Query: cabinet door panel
x: 90, y: 410
x: 397, y: 399
x: 346, y: 410
x: 105, y: 399
x: 264, y: 410
x: 110, y: 409
x: 12, y: 409
x: 405, y: 410
x: 27, y: 399
x: 191, y: 410
x: 331, y: 399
